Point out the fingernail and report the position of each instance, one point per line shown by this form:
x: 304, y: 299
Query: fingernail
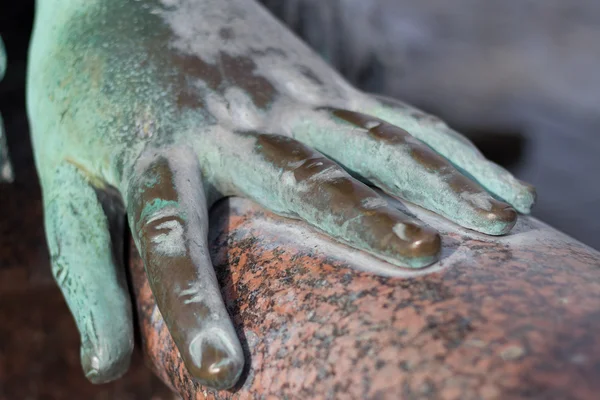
x: 422, y: 241
x: 503, y: 213
x: 215, y: 361
x: 526, y: 199
x: 99, y: 369
x: 501, y: 218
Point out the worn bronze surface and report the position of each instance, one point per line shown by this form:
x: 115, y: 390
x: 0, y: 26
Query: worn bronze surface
x: 112, y: 85
x: 162, y: 223
x: 433, y: 163
x: 346, y: 201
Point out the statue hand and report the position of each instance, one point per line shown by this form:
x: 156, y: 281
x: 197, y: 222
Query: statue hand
x: 166, y: 106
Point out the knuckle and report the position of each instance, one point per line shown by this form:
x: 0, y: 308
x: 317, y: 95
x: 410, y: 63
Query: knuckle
x: 164, y: 232
x: 318, y: 169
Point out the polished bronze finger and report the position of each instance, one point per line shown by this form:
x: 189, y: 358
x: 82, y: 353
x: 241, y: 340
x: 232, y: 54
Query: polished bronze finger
x: 168, y: 216
x: 294, y: 180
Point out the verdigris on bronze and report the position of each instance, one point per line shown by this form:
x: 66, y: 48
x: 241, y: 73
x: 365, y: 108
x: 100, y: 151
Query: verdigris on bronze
x: 6, y: 173
x: 156, y: 109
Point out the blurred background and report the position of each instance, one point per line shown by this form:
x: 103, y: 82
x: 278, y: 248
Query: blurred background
x: 518, y: 77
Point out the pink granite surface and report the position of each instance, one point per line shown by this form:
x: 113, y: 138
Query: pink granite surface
x: 499, y: 318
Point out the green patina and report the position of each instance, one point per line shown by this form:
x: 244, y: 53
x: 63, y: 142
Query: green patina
x: 107, y: 92
x: 87, y: 272
x: 460, y: 152
x: 155, y: 205
x: 6, y: 173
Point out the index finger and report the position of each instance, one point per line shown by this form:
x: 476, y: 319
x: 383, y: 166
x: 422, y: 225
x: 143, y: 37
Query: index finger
x: 169, y: 221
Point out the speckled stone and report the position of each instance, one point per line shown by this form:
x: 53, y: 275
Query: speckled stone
x: 499, y: 318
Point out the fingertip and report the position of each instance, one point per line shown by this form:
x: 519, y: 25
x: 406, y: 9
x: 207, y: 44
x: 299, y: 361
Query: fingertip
x: 102, y: 367
x: 427, y: 246
x: 499, y: 220
x: 214, y: 360
x: 423, y: 241
x: 483, y: 213
x: 526, y: 199
x: 424, y: 246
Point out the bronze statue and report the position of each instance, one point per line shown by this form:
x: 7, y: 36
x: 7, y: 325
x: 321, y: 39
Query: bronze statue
x: 156, y: 109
